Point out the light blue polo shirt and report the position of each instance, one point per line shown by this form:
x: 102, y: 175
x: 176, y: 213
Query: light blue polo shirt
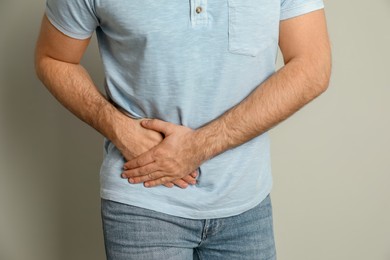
x: 185, y: 62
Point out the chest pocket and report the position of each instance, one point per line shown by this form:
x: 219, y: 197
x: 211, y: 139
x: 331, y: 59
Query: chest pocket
x: 253, y: 25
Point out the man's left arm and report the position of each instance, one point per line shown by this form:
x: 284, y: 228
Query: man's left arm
x: 305, y: 46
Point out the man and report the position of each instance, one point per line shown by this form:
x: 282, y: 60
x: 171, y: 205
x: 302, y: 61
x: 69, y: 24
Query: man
x: 191, y: 93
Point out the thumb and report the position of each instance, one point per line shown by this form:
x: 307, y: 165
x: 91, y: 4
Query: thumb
x: 158, y: 125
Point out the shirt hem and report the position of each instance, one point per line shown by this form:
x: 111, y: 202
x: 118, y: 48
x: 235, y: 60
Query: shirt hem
x: 186, y: 213
x: 301, y: 10
x: 64, y: 30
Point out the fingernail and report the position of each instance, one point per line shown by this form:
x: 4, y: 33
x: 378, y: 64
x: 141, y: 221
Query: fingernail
x: 131, y: 180
x: 123, y: 176
x: 146, y: 185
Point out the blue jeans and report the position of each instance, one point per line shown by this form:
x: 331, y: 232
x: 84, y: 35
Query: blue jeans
x: 135, y: 233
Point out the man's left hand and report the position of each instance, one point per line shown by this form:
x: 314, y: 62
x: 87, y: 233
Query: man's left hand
x: 174, y: 158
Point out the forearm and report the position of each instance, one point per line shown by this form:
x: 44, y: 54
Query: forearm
x: 277, y: 98
x: 304, y: 42
x: 72, y: 86
x: 274, y: 100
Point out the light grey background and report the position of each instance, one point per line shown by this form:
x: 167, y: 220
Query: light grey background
x: 331, y: 161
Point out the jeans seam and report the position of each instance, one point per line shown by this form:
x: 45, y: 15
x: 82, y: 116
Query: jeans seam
x: 198, y: 253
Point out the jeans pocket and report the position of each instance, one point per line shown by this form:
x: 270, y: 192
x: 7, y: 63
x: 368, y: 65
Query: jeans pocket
x: 253, y: 25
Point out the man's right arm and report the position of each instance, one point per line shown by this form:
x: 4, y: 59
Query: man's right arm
x: 57, y: 62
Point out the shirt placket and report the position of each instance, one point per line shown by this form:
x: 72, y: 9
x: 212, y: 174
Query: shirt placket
x: 199, y: 13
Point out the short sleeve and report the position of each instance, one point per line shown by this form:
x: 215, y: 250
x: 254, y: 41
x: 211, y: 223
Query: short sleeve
x: 74, y: 18
x: 292, y: 8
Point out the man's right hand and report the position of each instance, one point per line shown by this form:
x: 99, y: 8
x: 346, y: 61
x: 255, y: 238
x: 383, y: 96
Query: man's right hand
x: 133, y: 140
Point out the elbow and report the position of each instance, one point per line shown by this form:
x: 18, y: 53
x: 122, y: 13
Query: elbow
x: 38, y: 65
x: 326, y: 68
x: 42, y: 66
x: 322, y: 83
x: 313, y: 72
x: 41, y: 62
x: 321, y: 74
x: 326, y: 71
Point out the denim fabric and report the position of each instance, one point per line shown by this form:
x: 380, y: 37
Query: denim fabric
x: 136, y: 233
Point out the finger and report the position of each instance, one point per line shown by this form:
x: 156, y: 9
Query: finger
x: 140, y: 161
x: 144, y: 170
x: 157, y: 182
x: 181, y: 183
x: 158, y: 125
x: 189, y: 179
x: 150, y: 177
x: 194, y: 174
x: 169, y: 185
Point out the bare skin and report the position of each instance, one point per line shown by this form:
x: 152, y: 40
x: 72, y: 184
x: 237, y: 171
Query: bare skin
x: 57, y: 62
x: 304, y: 43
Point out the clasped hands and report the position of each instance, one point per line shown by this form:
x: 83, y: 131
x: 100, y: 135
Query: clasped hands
x: 173, y: 161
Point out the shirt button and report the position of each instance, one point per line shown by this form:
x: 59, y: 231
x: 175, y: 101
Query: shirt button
x: 198, y: 10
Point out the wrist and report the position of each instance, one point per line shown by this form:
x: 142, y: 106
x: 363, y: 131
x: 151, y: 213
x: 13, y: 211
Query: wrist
x: 209, y: 142
x: 115, y: 124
